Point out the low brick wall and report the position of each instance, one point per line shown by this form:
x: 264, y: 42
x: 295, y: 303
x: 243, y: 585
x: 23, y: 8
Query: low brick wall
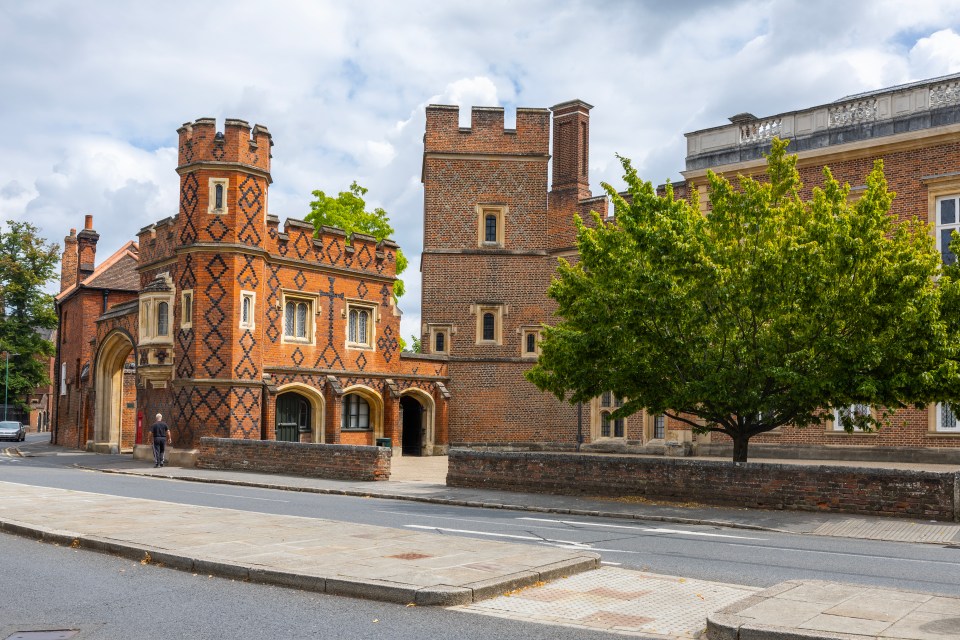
x: 866, y: 491
x: 331, y: 461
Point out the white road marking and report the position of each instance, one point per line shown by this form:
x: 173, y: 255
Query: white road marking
x: 569, y: 544
x: 610, y: 564
x: 643, y: 529
x: 230, y: 495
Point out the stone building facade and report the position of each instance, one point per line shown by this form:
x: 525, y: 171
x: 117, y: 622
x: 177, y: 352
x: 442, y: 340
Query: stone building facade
x: 239, y: 327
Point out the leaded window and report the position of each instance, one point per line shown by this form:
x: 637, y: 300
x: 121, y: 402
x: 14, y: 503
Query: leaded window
x: 163, y: 319
x: 356, y: 412
x: 359, y: 326
x: 295, y: 315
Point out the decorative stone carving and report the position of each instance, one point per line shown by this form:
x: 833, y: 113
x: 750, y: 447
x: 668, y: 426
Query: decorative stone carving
x: 945, y: 94
x: 853, y: 113
x: 759, y: 130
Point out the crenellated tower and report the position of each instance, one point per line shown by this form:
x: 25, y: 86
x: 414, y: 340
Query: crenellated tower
x: 218, y: 277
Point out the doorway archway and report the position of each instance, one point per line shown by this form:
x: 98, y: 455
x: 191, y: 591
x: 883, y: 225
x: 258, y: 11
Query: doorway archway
x: 114, y: 422
x: 289, y: 411
x: 416, y: 428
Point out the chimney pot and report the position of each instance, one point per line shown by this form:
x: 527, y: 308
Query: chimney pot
x: 88, y: 221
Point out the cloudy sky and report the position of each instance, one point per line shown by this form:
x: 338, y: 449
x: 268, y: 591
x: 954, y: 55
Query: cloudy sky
x: 92, y: 91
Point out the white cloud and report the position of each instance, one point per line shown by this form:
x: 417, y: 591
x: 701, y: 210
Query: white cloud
x: 93, y: 92
x: 937, y: 54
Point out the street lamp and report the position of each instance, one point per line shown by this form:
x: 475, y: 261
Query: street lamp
x: 6, y: 385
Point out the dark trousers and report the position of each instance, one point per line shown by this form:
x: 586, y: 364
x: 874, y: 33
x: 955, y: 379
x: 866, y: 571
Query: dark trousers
x: 159, y: 449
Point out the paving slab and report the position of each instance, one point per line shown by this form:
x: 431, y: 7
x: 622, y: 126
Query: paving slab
x: 815, y: 609
x: 322, y: 555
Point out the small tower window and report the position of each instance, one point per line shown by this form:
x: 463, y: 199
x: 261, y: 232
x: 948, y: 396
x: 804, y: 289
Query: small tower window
x: 531, y: 343
x: 247, y: 301
x: 490, y: 233
x: 489, y: 326
x: 441, y: 342
x: 218, y: 196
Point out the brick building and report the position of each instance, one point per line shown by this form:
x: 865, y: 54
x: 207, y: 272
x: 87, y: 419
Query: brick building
x: 232, y: 325
x: 490, y: 218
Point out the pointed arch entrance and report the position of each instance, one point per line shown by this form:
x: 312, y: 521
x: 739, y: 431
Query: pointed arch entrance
x: 416, y: 425
x: 300, y: 409
x: 114, y: 413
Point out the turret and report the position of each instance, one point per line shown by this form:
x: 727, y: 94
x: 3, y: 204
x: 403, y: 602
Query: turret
x: 223, y: 182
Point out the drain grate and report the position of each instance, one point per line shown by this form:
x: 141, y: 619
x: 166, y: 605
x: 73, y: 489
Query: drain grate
x: 51, y: 634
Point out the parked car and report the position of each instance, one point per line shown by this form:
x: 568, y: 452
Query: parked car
x: 10, y: 430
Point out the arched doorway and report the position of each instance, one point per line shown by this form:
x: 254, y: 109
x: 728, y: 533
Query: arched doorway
x: 412, y: 428
x: 293, y: 417
x: 299, y: 410
x: 114, y: 421
x: 416, y: 427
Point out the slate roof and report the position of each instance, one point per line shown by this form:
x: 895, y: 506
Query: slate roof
x: 117, y: 273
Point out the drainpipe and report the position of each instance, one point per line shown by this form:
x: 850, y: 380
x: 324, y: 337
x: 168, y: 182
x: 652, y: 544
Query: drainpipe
x: 56, y: 375
x: 579, y: 425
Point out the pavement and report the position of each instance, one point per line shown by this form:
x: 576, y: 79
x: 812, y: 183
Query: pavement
x: 547, y: 586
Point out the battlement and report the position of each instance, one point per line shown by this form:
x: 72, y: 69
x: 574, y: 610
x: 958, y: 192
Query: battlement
x: 237, y: 143
x: 486, y: 133
x: 331, y: 245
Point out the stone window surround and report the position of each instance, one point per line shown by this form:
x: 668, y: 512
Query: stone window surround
x: 524, y: 331
x: 933, y: 423
x: 211, y: 197
x: 186, y: 303
x: 597, y: 411
x: 149, y: 303
x: 939, y: 186
x: 432, y: 330
x: 483, y: 210
x: 361, y: 305
x: 313, y: 309
x: 498, y: 310
x: 833, y: 424
x: 251, y: 322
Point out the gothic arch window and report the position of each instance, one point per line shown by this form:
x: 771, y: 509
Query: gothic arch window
x: 440, y: 344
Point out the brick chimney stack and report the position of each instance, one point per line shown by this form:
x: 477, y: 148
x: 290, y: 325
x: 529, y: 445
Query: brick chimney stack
x: 68, y: 261
x: 86, y: 249
x: 571, y: 148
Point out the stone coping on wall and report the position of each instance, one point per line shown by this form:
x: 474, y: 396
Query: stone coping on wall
x: 842, y: 489
x: 313, y: 460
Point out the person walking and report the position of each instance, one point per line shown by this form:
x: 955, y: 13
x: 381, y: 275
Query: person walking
x: 161, y: 435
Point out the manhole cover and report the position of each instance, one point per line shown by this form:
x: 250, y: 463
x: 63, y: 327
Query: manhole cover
x: 947, y: 627
x: 52, y: 634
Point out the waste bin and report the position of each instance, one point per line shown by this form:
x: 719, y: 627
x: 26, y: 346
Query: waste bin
x: 384, y: 442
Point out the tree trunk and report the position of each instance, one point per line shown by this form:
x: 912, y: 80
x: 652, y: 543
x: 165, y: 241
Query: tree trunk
x: 740, y: 448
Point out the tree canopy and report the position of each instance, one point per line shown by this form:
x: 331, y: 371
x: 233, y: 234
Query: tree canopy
x: 27, y: 264
x: 766, y: 310
x: 348, y: 211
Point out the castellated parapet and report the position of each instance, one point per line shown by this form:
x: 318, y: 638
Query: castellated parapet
x: 237, y: 143
x: 486, y: 133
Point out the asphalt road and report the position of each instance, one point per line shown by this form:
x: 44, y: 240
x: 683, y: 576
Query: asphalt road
x: 708, y: 553
x: 47, y: 587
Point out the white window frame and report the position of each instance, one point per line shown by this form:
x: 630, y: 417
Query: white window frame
x: 186, y: 304
x: 853, y: 408
x: 345, y: 415
x: 251, y: 322
x: 310, y: 328
x: 940, y: 226
x: 212, y: 198
x: 63, y: 378
x: 938, y: 420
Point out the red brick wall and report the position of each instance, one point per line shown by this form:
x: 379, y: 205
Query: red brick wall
x: 332, y: 461
x: 877, y: 492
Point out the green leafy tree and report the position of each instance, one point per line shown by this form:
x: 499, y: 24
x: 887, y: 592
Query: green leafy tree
x: 766, y: 311
x: 27, y: 264
x: 348, y: 211
x: 414, y: 343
